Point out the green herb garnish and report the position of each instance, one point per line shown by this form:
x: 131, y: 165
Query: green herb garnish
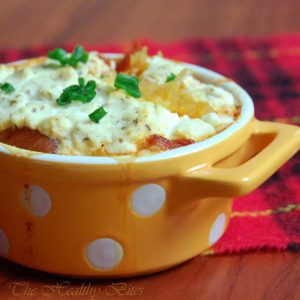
x: 130, y: 84
x: 171, y: 77
x: 78, y: 55
x: 59, y: 54
x: 98, y: 114
x: 7, y: 88
x: 81, y: 92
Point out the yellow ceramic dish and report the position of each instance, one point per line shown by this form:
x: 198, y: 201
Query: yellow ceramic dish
x: 111, y: 217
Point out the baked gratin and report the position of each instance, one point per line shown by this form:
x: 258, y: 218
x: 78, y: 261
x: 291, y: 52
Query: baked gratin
x: 83, y: 103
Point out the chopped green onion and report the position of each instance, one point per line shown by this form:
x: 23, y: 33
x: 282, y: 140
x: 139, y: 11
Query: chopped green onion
x: 58, y: 54
x: 98, y: 114
x: 7, y: 88
x: 81, y: 92
x: 78, y: 55
x: 171, y: 77
x: 81, y: 81
x: 130, y: 84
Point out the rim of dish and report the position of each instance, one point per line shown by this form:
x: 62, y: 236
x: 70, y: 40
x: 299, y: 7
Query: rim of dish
x: 246, y: 115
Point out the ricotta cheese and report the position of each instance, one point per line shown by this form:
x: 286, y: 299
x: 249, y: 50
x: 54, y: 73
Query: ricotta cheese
x: 128, y: 122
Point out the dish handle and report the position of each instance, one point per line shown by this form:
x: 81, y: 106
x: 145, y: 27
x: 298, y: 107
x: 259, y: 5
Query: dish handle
x: 230, y: 179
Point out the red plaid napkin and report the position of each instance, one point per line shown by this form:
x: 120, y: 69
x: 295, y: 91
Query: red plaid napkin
x: 269, y: 69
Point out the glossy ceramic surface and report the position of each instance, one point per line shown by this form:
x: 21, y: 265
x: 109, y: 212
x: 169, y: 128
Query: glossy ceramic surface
x: 112, y: 217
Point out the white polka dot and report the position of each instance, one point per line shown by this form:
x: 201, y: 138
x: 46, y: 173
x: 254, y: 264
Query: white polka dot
x: 148, y: 199
x: 104, y: 253
x: 4, y: 245
x: 217, y: 228
x: 36, y: 199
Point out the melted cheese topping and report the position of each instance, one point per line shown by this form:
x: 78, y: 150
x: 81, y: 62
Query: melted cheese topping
x: 129, y: 121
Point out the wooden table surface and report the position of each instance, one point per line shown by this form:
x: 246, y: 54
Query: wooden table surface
x: 265, y: 276
x: 249, y: 276
x: 27, y: 22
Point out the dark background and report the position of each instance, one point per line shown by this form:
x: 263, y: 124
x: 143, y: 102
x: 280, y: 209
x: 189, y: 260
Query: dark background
x: 34, y: 22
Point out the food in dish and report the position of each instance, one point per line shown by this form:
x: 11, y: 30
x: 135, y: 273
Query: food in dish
x: 85, y: 103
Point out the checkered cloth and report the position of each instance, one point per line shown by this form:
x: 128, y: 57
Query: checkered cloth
x: 269, y: 69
